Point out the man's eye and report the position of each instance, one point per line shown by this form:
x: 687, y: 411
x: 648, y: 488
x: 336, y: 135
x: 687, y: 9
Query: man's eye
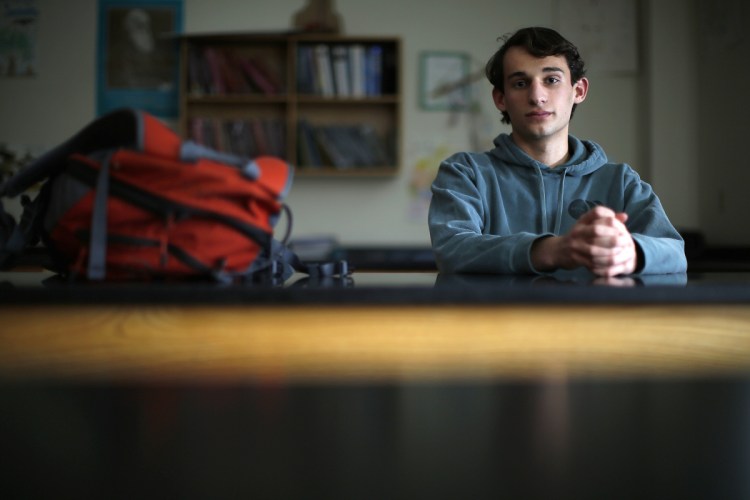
x: 553, y: 79
x: 519, y: 84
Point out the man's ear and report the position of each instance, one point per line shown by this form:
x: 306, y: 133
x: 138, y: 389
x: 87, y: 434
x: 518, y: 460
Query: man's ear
x: 498, y: 96
x: 581, y: 89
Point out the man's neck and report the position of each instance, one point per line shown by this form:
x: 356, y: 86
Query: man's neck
x: 549, y: 152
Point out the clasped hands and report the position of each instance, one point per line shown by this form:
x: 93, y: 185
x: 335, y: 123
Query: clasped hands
x: 599, y: 241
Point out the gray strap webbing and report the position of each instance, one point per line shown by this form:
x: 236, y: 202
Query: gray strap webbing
x: 98, y: 244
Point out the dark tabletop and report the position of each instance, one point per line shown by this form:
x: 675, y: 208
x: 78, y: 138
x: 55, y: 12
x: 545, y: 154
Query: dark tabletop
x: 567, y: 438
x: 384, y: 287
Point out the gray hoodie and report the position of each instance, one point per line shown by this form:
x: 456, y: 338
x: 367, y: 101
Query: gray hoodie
x: 488, y: 208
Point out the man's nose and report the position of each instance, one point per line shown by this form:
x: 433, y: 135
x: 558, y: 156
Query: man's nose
x: 537, y: 93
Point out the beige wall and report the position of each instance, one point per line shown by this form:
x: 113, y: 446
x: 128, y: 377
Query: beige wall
x: 723, y: 44
x: 669, y: 105
x: 639, y: 118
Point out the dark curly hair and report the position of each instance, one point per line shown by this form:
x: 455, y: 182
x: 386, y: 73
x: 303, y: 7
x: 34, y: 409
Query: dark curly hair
x: 539, y: 42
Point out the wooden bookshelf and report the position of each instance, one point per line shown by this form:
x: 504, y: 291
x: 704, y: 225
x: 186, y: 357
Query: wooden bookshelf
x: 263, y: 93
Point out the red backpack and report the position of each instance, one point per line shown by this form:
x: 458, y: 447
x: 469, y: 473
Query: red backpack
x: 126, y: 198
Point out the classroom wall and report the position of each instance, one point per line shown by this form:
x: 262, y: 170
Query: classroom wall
x: 631, y: 115
x: 723, y: 43
x: 669, y: 103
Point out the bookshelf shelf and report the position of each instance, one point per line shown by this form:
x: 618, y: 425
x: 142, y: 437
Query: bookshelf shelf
x: 332, y: 172
x: 346, y: 101
x: 265, y: 93
x: 237, y: 99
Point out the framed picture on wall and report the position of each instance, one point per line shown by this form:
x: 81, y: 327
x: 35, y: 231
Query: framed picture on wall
x: 443, y: 81
x: 138, y: 56
x: 19, y: 21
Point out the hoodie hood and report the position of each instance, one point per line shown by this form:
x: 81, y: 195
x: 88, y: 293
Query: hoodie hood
x: 585, y: 156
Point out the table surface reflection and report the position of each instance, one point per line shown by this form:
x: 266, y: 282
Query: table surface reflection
x: 561, y: 439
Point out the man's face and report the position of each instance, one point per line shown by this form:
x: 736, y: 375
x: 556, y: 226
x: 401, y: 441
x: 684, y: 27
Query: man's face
x: 538, y: 95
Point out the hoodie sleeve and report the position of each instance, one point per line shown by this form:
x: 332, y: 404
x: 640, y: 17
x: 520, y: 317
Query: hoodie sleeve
x: 661, y: 247
x: 457, y: 224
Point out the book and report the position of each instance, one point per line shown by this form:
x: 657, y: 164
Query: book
x: 306, y: 77
x: 233, y: 80
x: 324, y: 70
x: 237, y: 137
x: 340, y: 58
x: 274, y: 131
x: 262, y: 143
x: 330, y: 149
x: 357, y: 70
x: 217, y: 81
x: 307, y: 146
x: 374, y: 70
x: 197, y: 84
x: 258, y: 76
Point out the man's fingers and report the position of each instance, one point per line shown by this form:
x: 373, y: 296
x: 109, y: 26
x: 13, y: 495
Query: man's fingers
x: 601, y: 237
x: 600, y: 242
x: 598, y: 212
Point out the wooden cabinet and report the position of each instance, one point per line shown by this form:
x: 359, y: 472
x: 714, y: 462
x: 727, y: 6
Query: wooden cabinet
x: 329, y: 104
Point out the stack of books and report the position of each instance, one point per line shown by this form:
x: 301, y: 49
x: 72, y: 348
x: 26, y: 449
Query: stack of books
x: 247, y: 138
x: 340, y: 70
x: 342, y: 146
x: 223, y: 71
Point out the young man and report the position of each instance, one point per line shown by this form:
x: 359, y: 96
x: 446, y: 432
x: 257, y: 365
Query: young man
x: 543, y: 200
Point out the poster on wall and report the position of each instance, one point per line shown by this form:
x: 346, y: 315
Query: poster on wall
x: 18, y: 32
x: 138, y: 56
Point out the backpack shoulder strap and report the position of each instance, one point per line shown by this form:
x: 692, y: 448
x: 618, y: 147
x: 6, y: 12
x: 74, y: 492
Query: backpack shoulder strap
x: 122, y: 127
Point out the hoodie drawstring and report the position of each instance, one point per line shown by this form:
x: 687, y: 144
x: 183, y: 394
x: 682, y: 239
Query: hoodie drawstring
x: 560, y: 204
x: 543, y: 198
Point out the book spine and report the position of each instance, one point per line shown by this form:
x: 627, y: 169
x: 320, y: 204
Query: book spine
x: 257, y: 76
x: 357, y: 69
x: 217, y: 80
x: 307, y: 146
x: 324, y: 70
x: 306, y: 78
x: 195, y: 83
x: 234, y: 80
x: 340, y: 55
x: 327, y: 141
x: 374, y: 70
